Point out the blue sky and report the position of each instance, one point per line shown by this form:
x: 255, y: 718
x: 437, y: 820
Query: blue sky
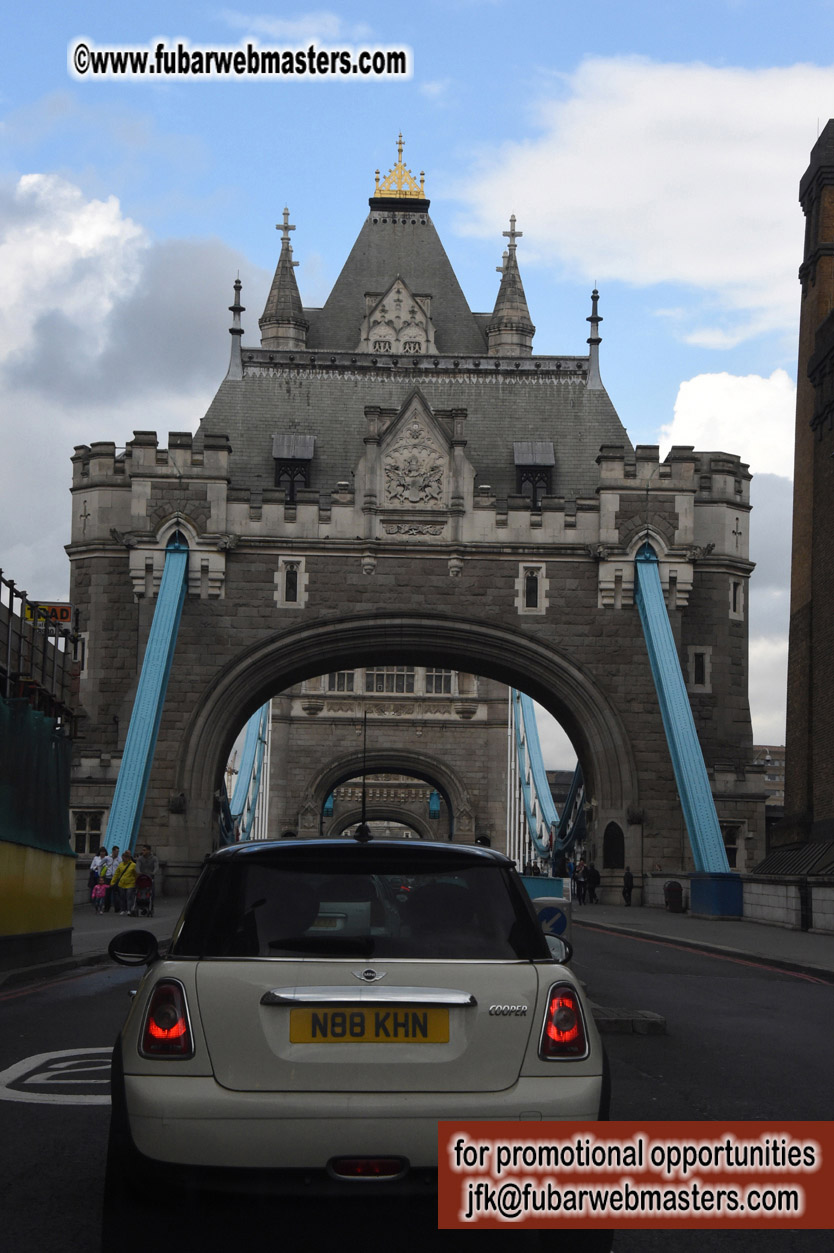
x: 655, y: 149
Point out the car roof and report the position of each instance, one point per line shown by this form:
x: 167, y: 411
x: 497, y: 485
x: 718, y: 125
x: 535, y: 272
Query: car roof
x: 409, y: 852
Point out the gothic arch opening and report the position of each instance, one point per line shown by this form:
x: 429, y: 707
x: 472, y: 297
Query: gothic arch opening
x: 397, y: 761
x: 476, y: 647
x: 385, y: 813
x: 613, y: 847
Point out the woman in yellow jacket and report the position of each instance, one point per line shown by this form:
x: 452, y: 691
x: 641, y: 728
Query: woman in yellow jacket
x: 124, y: 883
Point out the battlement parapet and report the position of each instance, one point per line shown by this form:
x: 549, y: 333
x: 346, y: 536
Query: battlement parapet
x: 210, y: 460
x: 619, y: 468
x: 723, y: 477
x: 97, y: 464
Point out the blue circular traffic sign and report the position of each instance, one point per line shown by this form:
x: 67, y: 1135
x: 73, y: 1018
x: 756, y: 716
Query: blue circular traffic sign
x: 553, y: 920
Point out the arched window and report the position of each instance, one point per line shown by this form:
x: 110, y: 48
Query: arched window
x: 291, y: 475
x: 613, y: 848
x: 533, y: 482
x: 291, y: 584
x: 531, y: 589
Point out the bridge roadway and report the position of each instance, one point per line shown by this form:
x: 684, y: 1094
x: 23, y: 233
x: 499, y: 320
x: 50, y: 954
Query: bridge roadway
x: 806, y: 952
x: 745, y: 1041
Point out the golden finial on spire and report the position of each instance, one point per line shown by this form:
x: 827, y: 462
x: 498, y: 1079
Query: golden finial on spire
x: 400, y: 183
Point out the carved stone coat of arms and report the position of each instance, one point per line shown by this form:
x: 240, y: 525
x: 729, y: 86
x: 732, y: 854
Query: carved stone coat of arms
x: 414, y: 470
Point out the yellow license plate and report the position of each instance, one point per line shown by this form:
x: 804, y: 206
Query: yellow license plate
x: 386, y: 1025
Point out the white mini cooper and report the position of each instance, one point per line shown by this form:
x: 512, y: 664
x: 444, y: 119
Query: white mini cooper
x: 313, y: 1020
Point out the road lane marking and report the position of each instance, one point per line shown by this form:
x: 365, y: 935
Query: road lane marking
x: 45, y: 1069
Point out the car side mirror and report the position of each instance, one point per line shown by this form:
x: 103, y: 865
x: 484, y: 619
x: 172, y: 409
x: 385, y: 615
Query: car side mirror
x: 134, y: 948
x: 561, y: 949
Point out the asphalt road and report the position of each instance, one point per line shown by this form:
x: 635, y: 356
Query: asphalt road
x: 743, y: 1042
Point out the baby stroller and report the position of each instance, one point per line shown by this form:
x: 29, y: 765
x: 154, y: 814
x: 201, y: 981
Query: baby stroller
x: 143, y: 904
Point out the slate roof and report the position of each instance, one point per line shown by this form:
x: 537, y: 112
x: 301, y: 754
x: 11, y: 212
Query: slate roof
x: 511, y: 303
x: 815, y: 858
x: 328, y: 401
x: 395, y: 243
x: 283, y: 303
x: 322, y: 391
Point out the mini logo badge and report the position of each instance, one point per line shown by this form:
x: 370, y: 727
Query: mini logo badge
x: 369, y: 975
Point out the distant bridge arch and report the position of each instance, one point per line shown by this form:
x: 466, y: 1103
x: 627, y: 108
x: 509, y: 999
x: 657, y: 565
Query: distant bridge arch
x: 393, y: 760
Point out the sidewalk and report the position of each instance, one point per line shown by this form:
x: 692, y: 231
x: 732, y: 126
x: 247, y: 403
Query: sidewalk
x: 91, y: 934
x: 803, y: 951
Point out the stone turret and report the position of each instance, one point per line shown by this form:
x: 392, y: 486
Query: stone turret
x: 510, y: 331
x: 283, y: 324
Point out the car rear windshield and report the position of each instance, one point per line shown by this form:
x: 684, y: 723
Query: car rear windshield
x: 349, y: 906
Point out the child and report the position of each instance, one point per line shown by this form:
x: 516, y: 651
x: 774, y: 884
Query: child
x: 98, y: 895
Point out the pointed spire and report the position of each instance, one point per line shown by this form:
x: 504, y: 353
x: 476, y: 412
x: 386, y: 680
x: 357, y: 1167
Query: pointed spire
x: 594, y: 381
x: 235, y: 370
x: 510, y: 331
x: 283, y: 324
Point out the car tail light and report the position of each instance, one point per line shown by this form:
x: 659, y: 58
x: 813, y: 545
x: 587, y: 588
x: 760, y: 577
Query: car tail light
x: 167, y: 1031
x: 367, y: 1167
x: 563, y: 1034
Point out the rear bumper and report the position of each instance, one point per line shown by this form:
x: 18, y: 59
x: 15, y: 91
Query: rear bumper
x: 196, y: 1122
x: 284, y: 1141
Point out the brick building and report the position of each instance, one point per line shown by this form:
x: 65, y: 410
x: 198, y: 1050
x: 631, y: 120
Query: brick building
x: 809, y: 774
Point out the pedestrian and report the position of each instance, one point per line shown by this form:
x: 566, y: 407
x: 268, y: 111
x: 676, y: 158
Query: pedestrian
x: 95, y: 870
x: 571, y: 870
x: 581, y: 880
x: 592, y: 879
x: 108, y: 869
x: 123, y: 883
x: 628, y: 885
x: 147, y: 863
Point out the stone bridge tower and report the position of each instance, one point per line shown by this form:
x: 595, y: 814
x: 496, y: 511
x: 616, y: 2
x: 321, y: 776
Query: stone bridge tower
x: 394, y: 479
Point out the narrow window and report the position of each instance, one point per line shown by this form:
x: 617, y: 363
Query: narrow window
x: 736, y: 588
x: 291, y: 585
x: 531, y: 590
x: 699, y: 670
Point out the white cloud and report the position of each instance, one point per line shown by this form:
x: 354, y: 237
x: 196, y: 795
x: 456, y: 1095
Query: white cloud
x: 60, y: 250
x: 99, y: 329
x: 768, y: 688
x: 320, y: 27
x: 436, y: 89
x: 749, y: 415
x: 557, y: 751
x: 656, y: 173
x: 753, y: 416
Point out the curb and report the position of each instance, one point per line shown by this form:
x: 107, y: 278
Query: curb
x: 45, y: 971
x: 50, y: 970
x: 777, y: 963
